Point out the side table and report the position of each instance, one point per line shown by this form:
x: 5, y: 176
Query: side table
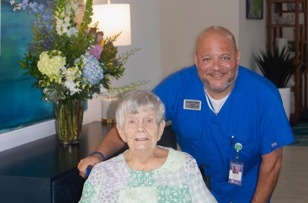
x: 45, y: 171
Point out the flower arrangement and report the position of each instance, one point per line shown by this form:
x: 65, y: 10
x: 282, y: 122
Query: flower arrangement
x: 70, y: 60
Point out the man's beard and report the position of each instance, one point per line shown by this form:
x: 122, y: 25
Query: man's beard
x: 230, y: 82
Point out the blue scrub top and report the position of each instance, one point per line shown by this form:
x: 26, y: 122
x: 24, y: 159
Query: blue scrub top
x: 253, y: 114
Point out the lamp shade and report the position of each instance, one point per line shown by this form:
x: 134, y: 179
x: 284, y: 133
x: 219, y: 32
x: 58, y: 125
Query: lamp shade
x: 113, y: 19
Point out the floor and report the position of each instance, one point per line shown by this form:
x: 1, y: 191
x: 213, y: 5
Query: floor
x: 292, y: 185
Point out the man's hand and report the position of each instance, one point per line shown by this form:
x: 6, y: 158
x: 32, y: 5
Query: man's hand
x: 108, y: 146
x: 84, y: 163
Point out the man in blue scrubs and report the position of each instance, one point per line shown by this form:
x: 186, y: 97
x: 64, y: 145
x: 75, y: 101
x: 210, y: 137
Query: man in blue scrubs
x: 226, y: 117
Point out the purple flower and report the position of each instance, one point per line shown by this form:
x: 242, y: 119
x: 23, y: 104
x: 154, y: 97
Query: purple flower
x: 24, y: 4
x: 96, y: 51
x: 100, y: 36
x: 33, y: 7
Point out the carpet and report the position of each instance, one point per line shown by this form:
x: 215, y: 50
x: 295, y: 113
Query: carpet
x: 300, y: 132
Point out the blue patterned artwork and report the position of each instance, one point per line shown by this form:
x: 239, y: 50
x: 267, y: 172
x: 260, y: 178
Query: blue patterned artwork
x: 20, y: 103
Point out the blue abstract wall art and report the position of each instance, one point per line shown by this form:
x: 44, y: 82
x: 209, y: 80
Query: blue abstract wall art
x: 20, y: 103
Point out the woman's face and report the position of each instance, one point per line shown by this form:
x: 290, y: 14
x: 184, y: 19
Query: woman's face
x: 141, y: 131
x: 217, y: 62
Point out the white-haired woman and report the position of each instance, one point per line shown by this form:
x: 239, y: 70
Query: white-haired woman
x: 145, y: 172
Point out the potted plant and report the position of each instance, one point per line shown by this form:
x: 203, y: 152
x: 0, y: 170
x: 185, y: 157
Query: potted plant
x: 278, y: 67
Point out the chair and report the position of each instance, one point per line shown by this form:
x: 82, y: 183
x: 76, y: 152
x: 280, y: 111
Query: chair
x: 169, y: 140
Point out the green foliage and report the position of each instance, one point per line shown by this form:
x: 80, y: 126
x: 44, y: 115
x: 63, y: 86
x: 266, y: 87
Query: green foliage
x: 119, y: 91
x: 276, y: 66
x: 87, y: 17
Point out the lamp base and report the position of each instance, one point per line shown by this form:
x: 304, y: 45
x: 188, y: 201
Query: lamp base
x: 108, y: 120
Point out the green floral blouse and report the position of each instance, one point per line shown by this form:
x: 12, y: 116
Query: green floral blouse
x: 177, y: 180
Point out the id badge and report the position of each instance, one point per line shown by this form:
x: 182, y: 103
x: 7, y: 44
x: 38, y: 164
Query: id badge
x: 236, y: 172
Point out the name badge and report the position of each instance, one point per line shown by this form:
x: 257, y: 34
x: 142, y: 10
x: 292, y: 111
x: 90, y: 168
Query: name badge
x: 190, y: 104
x: 236, y: 173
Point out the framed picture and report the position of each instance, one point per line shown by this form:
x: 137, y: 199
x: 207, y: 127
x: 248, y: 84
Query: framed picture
x: 254, y: 9
x: 20, y: 104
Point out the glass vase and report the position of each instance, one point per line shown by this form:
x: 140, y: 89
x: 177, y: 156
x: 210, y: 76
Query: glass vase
x: 68, y: 120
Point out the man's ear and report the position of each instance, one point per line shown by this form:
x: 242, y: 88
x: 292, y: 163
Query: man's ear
x: 121, y: 133
x: 238, y: 56
x: 195, y: 59
x: 161, y: 128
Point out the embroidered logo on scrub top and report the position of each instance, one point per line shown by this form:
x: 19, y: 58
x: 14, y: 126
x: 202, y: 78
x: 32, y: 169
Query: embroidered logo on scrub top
x: 190, y: 104
x: 274, y: 144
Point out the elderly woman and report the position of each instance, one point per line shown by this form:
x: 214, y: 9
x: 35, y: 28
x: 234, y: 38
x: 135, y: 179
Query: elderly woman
x: 145, y: 172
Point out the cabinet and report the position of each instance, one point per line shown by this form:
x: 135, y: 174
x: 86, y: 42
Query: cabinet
x: 288, y: 19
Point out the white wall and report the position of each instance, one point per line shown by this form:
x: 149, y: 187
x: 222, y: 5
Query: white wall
x: 165, y: 31
x: 252, y: 37
x: 181, y: 23
x: 179, y: 29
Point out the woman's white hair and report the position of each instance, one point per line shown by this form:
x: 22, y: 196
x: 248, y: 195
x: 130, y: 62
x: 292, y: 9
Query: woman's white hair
x: 134, y: 101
